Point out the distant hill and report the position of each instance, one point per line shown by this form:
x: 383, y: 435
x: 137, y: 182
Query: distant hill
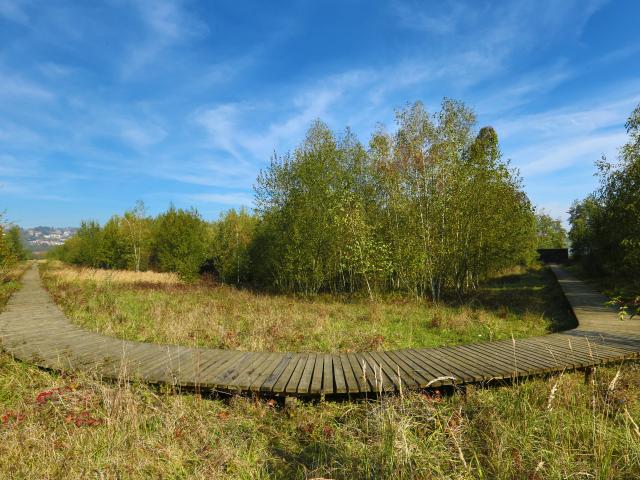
x: 41, y: 239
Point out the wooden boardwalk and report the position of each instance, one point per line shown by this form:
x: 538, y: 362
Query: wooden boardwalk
x: 33, y: 329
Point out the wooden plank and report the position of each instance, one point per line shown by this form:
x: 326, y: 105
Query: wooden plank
x: 429, y: 357
x: 473, y: 362
x: 317, y: 377
x: 395, y: 371
x: 290, y: 385
x: 286, y: 363
x: 228, y: 368
x: 261, y: 374
x: 445, y: 374
x: 338, y: 375
x: 377, y: 373
x: 364, y: 384
x: 487, y: 363
x: 447, y: 355
x: 238, y: 374
x: 509, y: 365
x: 327, y: 378
x: 419, y: 376
x: 304, y: 384
x: 349, y: 376
x: 34, y: 329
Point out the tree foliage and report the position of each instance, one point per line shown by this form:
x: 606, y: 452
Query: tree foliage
x: 550, y: 232
x: 177, y: 241
x: 232, y: 237
x: 428, y: 209
x: 605, y: 226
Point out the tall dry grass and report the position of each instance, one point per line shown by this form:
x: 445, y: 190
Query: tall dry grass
x: 146, y: 307
x: 120, y: 277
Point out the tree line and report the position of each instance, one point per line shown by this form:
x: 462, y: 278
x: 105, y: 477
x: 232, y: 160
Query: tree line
x: 12, y: 249
x: 429, y: 209
x: 605, y: 225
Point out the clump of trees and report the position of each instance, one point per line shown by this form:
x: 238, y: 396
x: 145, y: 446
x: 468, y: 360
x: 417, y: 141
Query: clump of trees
x: 550, y: 232
x: 428, y: 209
x: 605, y: 226
x: 174, y: 241
x: 12, y: 249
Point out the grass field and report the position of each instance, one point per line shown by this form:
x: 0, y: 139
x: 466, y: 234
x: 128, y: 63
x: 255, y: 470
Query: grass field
x: 67, y: 426
x: 159, y: 308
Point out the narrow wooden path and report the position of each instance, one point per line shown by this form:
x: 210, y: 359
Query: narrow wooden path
x: 33, y: 329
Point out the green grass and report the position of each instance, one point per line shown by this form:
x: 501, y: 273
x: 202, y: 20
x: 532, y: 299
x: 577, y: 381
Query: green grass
x: 9, y: 283
x: 524, y: 304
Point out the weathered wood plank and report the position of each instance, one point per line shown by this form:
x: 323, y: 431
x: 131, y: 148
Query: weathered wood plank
x: 304, y: 385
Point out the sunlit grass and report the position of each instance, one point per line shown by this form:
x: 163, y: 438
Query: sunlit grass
x: 10, y: 281
x: 136, y: 306
x: 119, y: 277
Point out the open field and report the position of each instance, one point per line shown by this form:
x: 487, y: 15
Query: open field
x: 158, y: 308
x: 62, y: 426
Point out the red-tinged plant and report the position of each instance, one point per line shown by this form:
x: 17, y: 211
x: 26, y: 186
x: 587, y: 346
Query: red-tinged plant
x: 12, y: 417
x: 51, y: 395
x: 83, y: 419
x: 223, y: 415
x: 327, y: 431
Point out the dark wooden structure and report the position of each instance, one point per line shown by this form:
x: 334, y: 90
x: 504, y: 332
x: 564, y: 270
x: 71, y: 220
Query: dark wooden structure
x: 33, y: 329
x: 553, y: 255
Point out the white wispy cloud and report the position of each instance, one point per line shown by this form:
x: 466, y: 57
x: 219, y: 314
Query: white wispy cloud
x: 142, y: 136
x: 15, y: 86
x: 55, y: 70
x: 14, y: 10
x: 610, y: 110
x: 556, y: 150
x: 167, y: 24
x: 233, y: 199
x: 227, y: 124
x: 582, y: 151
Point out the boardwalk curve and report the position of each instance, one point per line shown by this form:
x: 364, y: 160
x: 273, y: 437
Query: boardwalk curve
x: 35, y: 330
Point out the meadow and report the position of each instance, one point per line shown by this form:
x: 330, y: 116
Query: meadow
x: 63, y: 426
x: 161, y: 308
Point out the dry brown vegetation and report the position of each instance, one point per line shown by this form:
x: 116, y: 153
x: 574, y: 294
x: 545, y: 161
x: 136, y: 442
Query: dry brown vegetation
x: 120, y: 277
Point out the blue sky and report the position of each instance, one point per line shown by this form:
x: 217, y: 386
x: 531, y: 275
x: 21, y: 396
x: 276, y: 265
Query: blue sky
x: 104, y: 103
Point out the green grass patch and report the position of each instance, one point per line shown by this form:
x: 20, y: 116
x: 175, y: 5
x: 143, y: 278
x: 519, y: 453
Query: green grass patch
x: 520, y: 304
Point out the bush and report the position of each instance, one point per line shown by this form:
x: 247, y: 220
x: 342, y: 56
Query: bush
x: 605, y: 226
x: 427, y: 210
x: 180, y: 242
x: 232, y: 237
